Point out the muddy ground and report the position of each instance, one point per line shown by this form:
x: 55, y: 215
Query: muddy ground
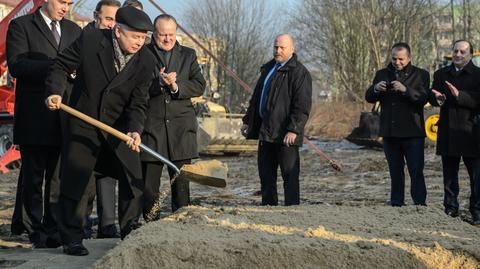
x: 361, y: 191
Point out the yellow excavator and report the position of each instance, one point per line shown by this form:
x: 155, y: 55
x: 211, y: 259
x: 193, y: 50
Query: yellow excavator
x: 219, y: 131
x: 366, y: 134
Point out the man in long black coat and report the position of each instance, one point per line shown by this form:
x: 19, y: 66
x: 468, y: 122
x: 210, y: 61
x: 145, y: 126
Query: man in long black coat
x: 456, y: 88
x: 171, y: 125
x: 277, y: 114
x: 114, y: 72
x: 32, y: 46
x: 402, y: 90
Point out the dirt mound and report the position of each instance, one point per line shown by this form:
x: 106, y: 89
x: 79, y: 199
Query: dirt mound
x: 313, y: 236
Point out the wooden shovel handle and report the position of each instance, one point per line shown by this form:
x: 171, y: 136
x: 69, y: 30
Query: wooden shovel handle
x: 102, y: 126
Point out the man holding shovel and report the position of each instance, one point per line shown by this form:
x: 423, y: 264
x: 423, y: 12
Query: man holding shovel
x: 114, y: 72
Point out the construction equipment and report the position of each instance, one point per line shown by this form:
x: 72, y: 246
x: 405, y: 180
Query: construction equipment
x: 9, y: 154
x: 219, y: 131
x: 209, y: 177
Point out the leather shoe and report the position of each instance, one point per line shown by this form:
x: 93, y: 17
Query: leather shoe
x: 452, y: 213
x: 475, y: 222
x: 108, y: 231
x: 75, y: 249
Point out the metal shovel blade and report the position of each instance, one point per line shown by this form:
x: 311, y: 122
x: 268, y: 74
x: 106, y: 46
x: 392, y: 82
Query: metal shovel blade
x: 192, y: 172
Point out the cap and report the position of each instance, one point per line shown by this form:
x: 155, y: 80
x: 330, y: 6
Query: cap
x: 134, y: 18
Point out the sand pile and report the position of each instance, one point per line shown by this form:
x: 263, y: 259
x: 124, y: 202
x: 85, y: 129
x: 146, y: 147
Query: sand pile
x: 313, y: 236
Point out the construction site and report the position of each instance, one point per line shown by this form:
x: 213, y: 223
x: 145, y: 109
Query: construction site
x: 344, y: 219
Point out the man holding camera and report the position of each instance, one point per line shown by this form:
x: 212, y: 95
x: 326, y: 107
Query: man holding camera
x: 402, y: 91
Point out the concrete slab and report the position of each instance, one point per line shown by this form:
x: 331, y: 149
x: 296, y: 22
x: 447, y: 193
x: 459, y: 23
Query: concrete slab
x: 55, y: 258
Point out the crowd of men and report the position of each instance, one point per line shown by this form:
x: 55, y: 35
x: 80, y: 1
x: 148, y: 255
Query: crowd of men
x: 402, y: 90
x: 113, y: 71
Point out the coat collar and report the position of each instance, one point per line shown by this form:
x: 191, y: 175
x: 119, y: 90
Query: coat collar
x: 176, y: 51
x: 44, y: 28
x: 292, y: 63
x: 105, y: 54
x: 468, y: 68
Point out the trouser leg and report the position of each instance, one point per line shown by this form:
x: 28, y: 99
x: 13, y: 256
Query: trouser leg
x: 414, y: 154
x: 267, y: 170
x: 289, y: 160
x: 180, y: 187
x: 105, y: 200
x: 450, y: 166
x: 151, y: 173
x: 473, y: 167
x: 396, y: 163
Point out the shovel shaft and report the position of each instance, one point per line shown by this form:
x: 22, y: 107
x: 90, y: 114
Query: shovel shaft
x: 159, y: 157
x: 102, y: 126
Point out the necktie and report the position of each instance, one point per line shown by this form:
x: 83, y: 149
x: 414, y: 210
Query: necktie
x: 266, y: 89
x: 55, y: 33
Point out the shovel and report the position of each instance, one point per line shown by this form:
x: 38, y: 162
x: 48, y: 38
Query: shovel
x: 218, y: 180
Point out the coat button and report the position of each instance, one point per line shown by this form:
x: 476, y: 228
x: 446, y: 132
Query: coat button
x: 167, y: 101
x: 167, y: 121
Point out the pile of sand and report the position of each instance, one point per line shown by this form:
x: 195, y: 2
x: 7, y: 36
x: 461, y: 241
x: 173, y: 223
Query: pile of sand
x: 314, y: 236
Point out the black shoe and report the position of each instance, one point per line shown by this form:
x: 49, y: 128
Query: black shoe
x: 108, y: 231
x: 75, y: 249
x: 451, y: 212
x: 132, y: 226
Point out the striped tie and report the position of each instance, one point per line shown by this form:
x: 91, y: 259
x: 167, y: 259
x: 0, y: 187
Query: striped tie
x: 55, y: 33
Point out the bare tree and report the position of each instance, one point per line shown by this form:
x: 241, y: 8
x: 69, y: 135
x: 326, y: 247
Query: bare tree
x: 349, y: 40
x: 238, y: 33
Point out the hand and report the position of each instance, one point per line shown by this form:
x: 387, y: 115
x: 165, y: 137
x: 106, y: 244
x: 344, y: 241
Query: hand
x: 134, y: 142
x: 169, y: 79
x: 289, y: 139
x: 381, y: 86
x: 439, y: 96
x: 452, y: 89
x: 53, y: 102
x: 244, y: 130
x: 398, y: 86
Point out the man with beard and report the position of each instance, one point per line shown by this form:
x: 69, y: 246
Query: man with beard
x: 277, y: 114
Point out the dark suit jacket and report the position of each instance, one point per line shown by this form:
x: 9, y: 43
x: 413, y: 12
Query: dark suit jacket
x: 402, y: 113
x: 288, y: 103
x: 118, y: 100
x: 455, y: 135
x: 31, y: 49
x: 171, y: 125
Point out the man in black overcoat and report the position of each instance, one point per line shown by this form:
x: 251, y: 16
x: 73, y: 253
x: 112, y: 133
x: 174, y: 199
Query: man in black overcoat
x: 402, y: 90
x: 456, y: 88
x: 33, y: 42
x: 277, y: 114
x: 114, y: 72
x: 171, y: 125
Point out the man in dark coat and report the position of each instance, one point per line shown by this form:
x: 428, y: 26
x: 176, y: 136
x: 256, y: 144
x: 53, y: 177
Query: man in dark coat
x: 114, y: 72
x: 277, y: 114
x: 171, y: 125
x: 402, y: 90
x: 104, y: 18
x: 32, y: 45
x: 456, y: 88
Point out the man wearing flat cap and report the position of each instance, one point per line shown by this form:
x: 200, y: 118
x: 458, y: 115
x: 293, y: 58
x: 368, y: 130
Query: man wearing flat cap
x: 114, y: 72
